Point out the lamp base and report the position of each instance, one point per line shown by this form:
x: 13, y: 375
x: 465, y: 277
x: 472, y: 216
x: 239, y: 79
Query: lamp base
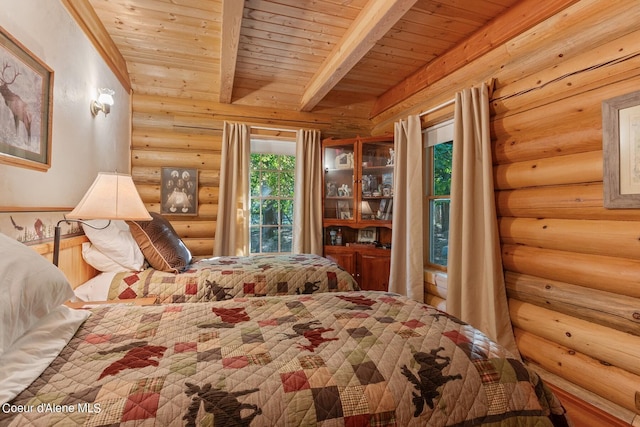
x: 56, y: 244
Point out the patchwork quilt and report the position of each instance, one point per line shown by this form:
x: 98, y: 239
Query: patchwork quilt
x: 223, y: 278
x: 328, y: 359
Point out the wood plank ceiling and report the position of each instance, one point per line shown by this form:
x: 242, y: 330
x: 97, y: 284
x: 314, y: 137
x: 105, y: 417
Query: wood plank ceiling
x: 331, y: 56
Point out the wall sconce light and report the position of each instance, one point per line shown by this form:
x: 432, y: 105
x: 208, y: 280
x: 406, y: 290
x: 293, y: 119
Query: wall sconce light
x: 103, y: 103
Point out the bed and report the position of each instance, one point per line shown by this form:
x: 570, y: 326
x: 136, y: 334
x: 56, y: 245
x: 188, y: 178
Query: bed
x: 357, y: 358
x: 141, y: 259
x: 221, y: 278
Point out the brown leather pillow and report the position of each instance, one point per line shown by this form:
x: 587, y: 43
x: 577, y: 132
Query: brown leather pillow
x: 160, y: 244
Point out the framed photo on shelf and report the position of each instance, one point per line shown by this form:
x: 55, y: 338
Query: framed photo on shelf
x: 343, y: 211
x: 369, y: 184
x: 367, y: 235
x: 387, y: 180
x: 385, y: 209
x: 332, y: 189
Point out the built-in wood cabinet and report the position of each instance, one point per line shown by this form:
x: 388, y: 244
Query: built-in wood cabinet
x: 358, y: 181
x: 358, y: 207
x: 369, y: 265
x: 373, y: 267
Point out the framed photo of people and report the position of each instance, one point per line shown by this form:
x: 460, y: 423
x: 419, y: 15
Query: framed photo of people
x: 179, y: 191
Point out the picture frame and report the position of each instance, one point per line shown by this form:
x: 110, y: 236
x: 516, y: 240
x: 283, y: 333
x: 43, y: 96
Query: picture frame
x: 387, y: 180
x: 332, y: 189
x: 178, y: 191
x: 621, y: 151
x: 26, y: 113
x: 342, y: 210
x: 380, y: 214
x: 367, y: 235
x: 384, y: 212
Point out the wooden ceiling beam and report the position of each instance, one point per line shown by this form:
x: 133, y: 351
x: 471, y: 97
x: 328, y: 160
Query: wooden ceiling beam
x: 229, y: 42
x: 514, y: 21
x: 373, y: 22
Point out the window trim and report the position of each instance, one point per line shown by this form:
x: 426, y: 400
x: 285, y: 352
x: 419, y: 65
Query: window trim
x: 275, y: 147
x: 431, y: 136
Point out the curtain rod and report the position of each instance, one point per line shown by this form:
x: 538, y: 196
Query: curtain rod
x: 437, y: 107
x: 273, y: 129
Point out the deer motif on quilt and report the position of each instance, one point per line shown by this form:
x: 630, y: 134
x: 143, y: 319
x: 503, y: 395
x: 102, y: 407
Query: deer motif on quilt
x: 309, y: 288
x: 215, y: 290
x: 138, y: 355
x: 311, y: 333
x: 229, y: 316
x: 429, y: 378
x: 224, y: 406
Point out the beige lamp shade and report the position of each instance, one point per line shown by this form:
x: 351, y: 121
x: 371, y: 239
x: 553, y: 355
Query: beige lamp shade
x: 366, y: 208
x: 111, y: 196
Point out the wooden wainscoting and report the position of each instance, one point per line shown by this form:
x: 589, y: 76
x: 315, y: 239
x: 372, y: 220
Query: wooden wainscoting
x: 70, y: 259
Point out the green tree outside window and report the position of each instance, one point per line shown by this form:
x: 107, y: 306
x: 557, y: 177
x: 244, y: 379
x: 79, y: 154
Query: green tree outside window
x: 272, y: 185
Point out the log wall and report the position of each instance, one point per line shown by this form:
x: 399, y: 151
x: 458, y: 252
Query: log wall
x: 188, y: 133
x: 572, y: 267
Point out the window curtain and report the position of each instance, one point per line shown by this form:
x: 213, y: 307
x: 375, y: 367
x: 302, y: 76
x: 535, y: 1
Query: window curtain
x: 232, y: 223
x: 407, y: 271
x: 307, y: 208
x: 476, y: 289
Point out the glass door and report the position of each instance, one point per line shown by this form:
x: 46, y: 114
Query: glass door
x: 339, y: 181
x: 376, y: 199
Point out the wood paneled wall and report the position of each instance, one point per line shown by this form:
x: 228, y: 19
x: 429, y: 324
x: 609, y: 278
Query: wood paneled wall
x: 188, y: 133
x: 572, y: 267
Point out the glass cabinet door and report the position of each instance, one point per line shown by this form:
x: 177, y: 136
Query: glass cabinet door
x: 376, y: 199
x: 339, y: 182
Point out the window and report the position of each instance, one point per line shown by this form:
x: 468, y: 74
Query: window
x: 272, y: 168
x: 439, y: 145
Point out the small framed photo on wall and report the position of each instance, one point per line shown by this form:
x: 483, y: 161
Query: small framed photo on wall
x: 179, y: 191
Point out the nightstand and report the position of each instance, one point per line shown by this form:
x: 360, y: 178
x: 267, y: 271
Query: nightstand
x: 92, y: 304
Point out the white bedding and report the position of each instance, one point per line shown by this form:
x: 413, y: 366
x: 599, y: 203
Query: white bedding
x: 96, y: 288
x: 28, y: 357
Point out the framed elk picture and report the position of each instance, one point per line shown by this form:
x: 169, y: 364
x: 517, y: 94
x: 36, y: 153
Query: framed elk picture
x: 26, y: 99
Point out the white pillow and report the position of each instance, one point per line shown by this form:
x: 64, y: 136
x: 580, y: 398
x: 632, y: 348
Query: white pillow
x: 96, y: 288
x: 30, y: 288
x: 115, y: 242
x: 98, y: 260
x: 30, y: 355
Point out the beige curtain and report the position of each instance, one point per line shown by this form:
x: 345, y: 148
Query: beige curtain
x: 307, y: 208
x: 407, y: 271
x: 476, y: 289
x: 232, y: 223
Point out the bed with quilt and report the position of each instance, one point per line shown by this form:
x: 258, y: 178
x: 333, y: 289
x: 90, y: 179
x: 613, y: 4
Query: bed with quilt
x: 138, y: 259
x: 358, y: 358
x: 221, y: 278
